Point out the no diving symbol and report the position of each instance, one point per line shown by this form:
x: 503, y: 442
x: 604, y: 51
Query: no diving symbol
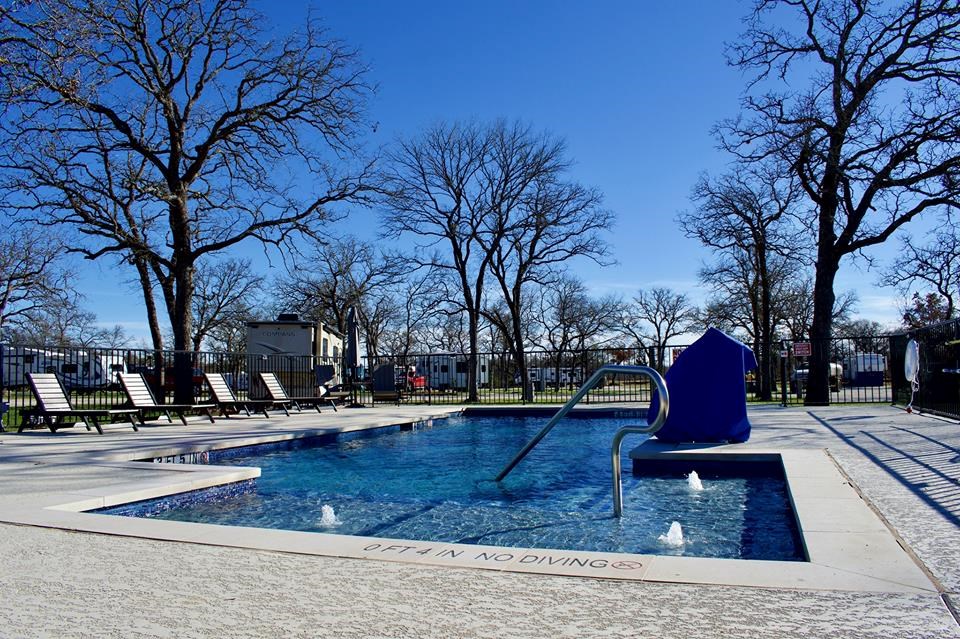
x: 626, y: 565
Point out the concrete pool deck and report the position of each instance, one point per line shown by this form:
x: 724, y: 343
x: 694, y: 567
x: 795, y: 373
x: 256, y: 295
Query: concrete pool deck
x: 56, y: 582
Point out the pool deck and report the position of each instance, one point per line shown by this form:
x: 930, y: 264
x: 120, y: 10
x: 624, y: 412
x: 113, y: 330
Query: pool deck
x: 132, y: 578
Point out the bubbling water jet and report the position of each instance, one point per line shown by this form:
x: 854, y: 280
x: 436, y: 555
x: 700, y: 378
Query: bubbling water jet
x: 328, y: 518
x: 674, y: 536
x: 693, y: 481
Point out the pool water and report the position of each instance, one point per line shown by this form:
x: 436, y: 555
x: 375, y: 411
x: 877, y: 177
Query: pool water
x: 434, y: 484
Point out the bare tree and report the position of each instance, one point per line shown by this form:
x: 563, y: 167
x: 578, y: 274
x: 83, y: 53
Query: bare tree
x: 656, y: 316
x: 188, y: 134
x: 865, y: 117
x: 551, y: 222
x: 416, y: 302
x: 795, y: 308
x: 32, y: 275
x: 745, y: 217
x: 933, y: 265
x: 736, y: 295
x: 567, y: 319
x: 224, y: 291
x: 448, y: 332
x: 230, y: 336
x: 460, y: 190
x: 67, y: 324
x: 339, y: 274
x: 861, y: 336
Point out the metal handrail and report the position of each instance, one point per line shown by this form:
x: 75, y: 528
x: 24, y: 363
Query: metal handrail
x: 615, y: 455
x: 588, y: 385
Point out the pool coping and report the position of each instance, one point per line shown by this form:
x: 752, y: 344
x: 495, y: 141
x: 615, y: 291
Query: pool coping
x: 849, y: 547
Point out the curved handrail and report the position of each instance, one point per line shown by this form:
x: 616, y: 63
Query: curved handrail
x: 590, y: 383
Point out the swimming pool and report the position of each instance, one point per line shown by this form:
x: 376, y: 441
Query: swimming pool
x: 434, y: 483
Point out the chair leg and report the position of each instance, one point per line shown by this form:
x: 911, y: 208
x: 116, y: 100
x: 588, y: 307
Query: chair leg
x: 87, y: 424
x: 170, y: 418
x: 24, y: 420
x: 181, y: 415
x: 209, y: 414
x: 133, y: 422
x: 96, y: 424
x: 52, y: 423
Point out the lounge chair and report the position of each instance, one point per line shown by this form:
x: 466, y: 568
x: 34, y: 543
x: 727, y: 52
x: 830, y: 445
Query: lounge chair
x: 385, y: 387
x: 53, y: 404
x: 332, y: 390
x: 225, y: 400
x: 277, y: 393
x: 142, y: 398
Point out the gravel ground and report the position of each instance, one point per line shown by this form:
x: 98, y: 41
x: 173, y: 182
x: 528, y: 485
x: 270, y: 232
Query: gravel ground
x: 67, y: 584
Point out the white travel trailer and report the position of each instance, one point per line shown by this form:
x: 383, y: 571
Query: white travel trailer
x: 445, y: 371
x: 77, y: 369
x: 17, y: 361
x: 548, y: 375
x: 92, y: 369
x: 864, y: 369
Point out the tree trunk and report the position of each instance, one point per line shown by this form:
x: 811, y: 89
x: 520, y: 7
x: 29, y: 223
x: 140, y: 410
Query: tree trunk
x: 821, y: 330
x: 473, y: 394
x: 520, y: 353
x: 818, y: 382
x: 765, y: 354
x: 182, y: 328
x: 156, y: 336
x: 182, y: 315
x: 146, y: 285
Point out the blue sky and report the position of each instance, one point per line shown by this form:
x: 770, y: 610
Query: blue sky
x: 633, y: 87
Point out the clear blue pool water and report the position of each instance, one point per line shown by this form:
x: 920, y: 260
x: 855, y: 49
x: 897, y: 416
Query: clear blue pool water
x: 434, y: 483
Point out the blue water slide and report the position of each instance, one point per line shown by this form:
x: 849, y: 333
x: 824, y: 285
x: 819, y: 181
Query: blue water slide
x: 708, y: 401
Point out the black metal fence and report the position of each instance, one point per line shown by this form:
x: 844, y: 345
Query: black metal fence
x: 860, y: 372
x: 91, y: 374
x: 939, y: 369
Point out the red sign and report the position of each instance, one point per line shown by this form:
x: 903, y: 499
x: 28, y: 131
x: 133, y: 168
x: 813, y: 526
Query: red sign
x: 802, y: 349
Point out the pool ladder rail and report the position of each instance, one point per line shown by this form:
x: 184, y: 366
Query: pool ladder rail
x: 649, y: 429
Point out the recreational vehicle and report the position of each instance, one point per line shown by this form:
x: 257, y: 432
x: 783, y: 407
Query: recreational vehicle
x: 864, y: 369
x: 291, y: 348
x: 17, y: 361
x: 548, y: 375
x: 448, y: 371
x: 78, y: 369
x: 798, y: 379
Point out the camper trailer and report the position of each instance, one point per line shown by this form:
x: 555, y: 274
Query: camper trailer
x: 290, y: 336
x: 864, y: 369
x: 548, y: 375
x: 84, y: 370
x: 291, y: 348
x: 798, y: 379
x: 448, y: 371
x: 16, y: 362
x: 92, y: 369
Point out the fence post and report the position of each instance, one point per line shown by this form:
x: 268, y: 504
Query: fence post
x: 783, y: 374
